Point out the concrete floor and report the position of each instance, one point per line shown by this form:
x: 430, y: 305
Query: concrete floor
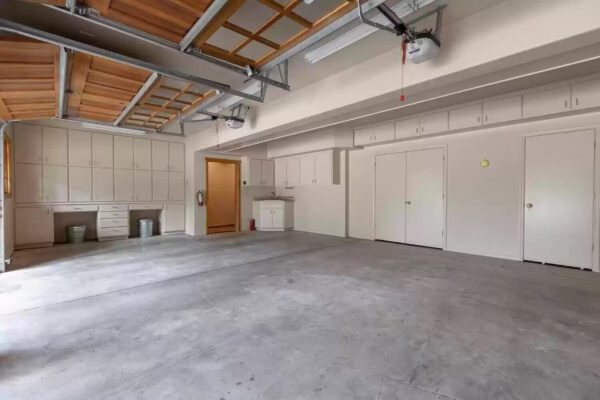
x: 293, y: 316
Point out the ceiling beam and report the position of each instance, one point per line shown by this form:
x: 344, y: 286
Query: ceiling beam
x: 204, y: 20
x: 215, y: 23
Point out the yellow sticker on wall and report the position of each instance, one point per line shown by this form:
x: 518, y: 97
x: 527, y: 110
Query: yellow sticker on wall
x: 485, y: 163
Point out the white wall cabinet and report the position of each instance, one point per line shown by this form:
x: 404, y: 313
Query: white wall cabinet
x: 80, y: 149
x: 123, y: 152
x: 103, y: 184
x: 407, y: 128
x: 287, y: 171
x: 142, y: 185
x: 434, y: 123
x: 124, y: 185
x: 176, y: 186
x: 160, y: 185
x: 28, y: 143
x: 317, y: 168
x: 34, y: 226
x: 55, y: 183
x: 267, y: 172
x: 28, y: 178
x: 502, y: 110
x: 160, y: 156
x: 80, y: 184
x: 548, y: 101
x: 374, y: 134
x: 257, y: 172
x: 586, y: 94
x: 465, y: 117
x: 102, y: 150
x: 176, y: 157
x: 173, y: 218
x: 54, y: 146
x: 142, y: 154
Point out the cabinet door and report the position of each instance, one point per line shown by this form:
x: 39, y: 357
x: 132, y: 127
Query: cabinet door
x: 586, y: 94
x: 465, y: 117
x: 55, y: 183
x: 362, y: 136
x: 267, y: 173
x: 324, y: 167
x: 28, y: 143
x: 123, y: 152
x: 549, y: 101
x: 34, y: 225
x: 176, y: 186
x: 434, y: 123
x: 307, y: 169
x: 174, y: 218
x: 103, y: 181
x: 278, y: 218
x: 160, y: 185
x: 142, y: 154
x: 407, y: 128
x: 123, y: 185
x: 266, y: 217
x: 102, y: 150
x: 383, y: 132
x: 29, y: 183
x: 176, y: 157
x: 293, y: 171
x: 160, y: 156
x: 142, y: 185
x: 502, y: 110
x: 80, y: 184
x: 80, y: 149
x: 280, y: 172
x: 254, y: 173
x: 54, y: 146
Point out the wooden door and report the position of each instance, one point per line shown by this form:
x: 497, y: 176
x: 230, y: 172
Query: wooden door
x: 222, y: 195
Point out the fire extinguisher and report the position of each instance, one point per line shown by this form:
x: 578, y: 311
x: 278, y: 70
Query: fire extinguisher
x: 252, y: 224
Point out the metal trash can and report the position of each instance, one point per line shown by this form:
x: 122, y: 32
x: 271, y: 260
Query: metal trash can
x: 76, y: 233
x: 146, y: 227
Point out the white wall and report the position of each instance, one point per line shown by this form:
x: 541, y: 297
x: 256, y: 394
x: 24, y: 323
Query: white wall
x: 484, y: 205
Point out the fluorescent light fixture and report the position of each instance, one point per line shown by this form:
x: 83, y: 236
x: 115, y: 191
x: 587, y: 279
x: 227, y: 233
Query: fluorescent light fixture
x: 403, y: 9
x: 110, y: 128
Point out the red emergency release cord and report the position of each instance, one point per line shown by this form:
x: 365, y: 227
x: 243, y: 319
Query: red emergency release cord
x: 402, y: 97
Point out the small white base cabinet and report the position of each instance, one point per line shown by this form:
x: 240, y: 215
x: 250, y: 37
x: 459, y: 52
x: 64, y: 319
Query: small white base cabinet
x: 274, y: 215
x: 112, y: 222
x: 34, y: 227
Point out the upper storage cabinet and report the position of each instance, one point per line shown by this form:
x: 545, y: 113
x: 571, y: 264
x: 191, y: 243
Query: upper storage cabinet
x: 102, y: 150
x: 123, y: 152
x: 407, y: 128
x: 548, y: 101
x: 374, y: 134
x: 586, y: 94
x: 54, y: 146
x: 176, y: 157
x: 142, y: 154
x: 319, y: 168
x: 257, y: 172
x: 465, y: 117
x: 80, y: 149
x: 434, y: 123
x: 502, y: 110
x: 160, y: 156
x: 28, y: 143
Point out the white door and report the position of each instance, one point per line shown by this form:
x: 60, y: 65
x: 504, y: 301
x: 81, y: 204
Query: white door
x: 559, y: 195
x: 28, y: 143
x: 390, y: 195
x: 425, y: 197
x: 29, y: 183
x: 80, y: 149
x: 103, y: 181
x: 266, y: 217
x: 324, y: 167
x: 465, y: 117
x: 176, y: 186
x: 407, y: 128
x: 55, y: 183
x: 142, y: 185
x: 142, y: 154
x: 123, y: 152
x: 102, y: 150
x: 160, y: 185
x: 80, y: 184
x: 34, y: 225
x: 307, y: 169
x: 176, y: 157
x: 292, y: 171
x: 54, y: 146
x: 123, y: 185
x: 280, y: 172
x: 267, y: 173
x: 160, y: 156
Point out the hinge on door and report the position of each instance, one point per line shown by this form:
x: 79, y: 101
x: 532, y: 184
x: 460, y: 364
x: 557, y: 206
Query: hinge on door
x: 442, y: 233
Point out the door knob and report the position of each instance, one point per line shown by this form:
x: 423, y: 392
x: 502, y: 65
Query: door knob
x: 529, y: 205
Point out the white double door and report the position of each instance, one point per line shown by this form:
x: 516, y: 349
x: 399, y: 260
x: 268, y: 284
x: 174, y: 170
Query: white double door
x: 409, y: 197
x: 559, y: 198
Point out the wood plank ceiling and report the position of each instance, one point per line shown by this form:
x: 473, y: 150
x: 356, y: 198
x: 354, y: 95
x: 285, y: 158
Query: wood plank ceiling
x: 28, y: 79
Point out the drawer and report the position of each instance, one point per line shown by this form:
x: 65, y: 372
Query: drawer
x: 113, y: 214
x: 113, y: 232
x: 83, y: 208
x: 152, y: 206
x: 113, y: 207
x: 112, y: 223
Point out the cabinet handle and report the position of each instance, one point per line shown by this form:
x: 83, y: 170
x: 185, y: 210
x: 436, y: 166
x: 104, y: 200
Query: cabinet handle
x: 485, y: 117
x: 417, y: 130
x: 422, y: 129
x: 478, y: 119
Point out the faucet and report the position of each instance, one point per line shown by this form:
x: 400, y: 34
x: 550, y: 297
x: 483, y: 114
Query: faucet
x: 273, y: 195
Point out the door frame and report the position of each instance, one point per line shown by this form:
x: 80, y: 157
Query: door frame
x: 238, y: 199
x: 596, y: 180
x: 444, y: 148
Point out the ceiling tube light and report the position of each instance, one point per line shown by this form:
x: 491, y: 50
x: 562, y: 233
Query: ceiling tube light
x: 403, y: 9
x: 110, y: 128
